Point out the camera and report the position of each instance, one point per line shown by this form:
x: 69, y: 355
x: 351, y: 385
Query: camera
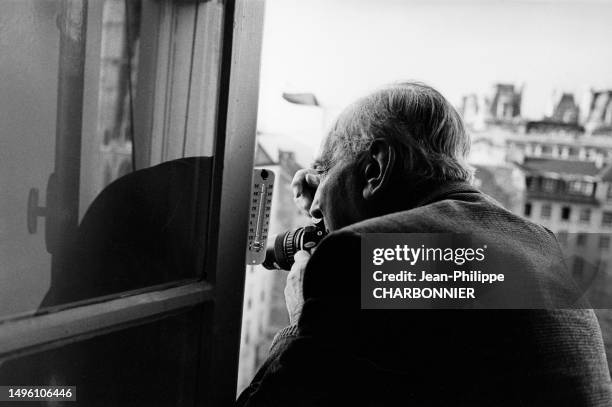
x: 281, y: 249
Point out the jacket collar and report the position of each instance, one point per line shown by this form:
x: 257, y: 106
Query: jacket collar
x: 443, y: 191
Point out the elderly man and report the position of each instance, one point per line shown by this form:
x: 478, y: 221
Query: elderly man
x: 395, y: 163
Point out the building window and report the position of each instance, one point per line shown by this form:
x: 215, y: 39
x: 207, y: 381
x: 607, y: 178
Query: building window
x: 528, y: 209
x: 549, y: 185
x: 546, y: 210
x: 604, y: 242
x: 564, y: 151
x: 581, y: 239
x: 575, y: 187
x: 585, y: 215
x: 580, y: 187
x: 606, y: 219
x: 609, y: 195
x: 566, y: 211
x: 573, y: 152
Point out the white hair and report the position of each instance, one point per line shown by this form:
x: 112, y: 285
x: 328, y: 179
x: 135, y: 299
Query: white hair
x: 425, y: 128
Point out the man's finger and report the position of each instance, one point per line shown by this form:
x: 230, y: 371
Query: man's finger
x: 304, y: 185
x: 299, y: 181
x: 305, y: 182
x: 293, y: 288
x: 301, y: 256
x: 312, y: 180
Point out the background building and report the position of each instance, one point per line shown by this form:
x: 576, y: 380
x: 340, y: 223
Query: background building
x: 557, y: 172
x: 500, y: 107
x: 599, y: 118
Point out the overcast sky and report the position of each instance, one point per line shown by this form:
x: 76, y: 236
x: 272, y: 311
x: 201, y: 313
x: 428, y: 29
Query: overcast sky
x: 341, y: 49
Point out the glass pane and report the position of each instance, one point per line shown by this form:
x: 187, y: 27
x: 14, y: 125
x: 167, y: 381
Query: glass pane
x: 149, y: 365
x: 85, y: 211
x: 29, y: 62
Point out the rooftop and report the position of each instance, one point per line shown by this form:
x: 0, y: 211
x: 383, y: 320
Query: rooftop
x: 561, y: 167
x: 551, y: 125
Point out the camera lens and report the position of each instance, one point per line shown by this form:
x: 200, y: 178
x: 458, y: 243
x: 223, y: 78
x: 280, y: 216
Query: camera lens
x: 281, y: 249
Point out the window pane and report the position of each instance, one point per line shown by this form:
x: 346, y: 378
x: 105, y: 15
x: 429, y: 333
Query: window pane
x: 29, y: 62
x: 585, y: 215
x: 88, y: 212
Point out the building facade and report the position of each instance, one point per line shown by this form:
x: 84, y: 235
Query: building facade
x: 565, y: 170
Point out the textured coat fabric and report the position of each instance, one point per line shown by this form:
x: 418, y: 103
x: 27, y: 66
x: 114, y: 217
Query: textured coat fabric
x: 339, y: 354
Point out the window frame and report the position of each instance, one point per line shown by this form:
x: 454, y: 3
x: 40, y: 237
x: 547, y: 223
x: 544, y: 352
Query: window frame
x: 237, y: 98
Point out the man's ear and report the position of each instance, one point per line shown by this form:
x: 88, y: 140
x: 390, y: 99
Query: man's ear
x: 378, y: 168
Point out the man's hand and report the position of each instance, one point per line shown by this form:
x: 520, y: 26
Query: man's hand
x: 304, y: 185
x: 294, y: 296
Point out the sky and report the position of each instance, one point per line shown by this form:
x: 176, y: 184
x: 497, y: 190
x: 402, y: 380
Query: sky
x: 342, y: 49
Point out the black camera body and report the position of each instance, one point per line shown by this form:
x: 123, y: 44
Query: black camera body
x: 281, y: 249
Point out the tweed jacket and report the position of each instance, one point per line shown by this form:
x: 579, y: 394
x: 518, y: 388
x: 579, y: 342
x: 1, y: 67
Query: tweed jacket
x: 340, y: 354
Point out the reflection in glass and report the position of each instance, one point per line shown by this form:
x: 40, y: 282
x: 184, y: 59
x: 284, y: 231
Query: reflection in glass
x: 118, y: 76
x: 77, y: 221
x: 29, y: 62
